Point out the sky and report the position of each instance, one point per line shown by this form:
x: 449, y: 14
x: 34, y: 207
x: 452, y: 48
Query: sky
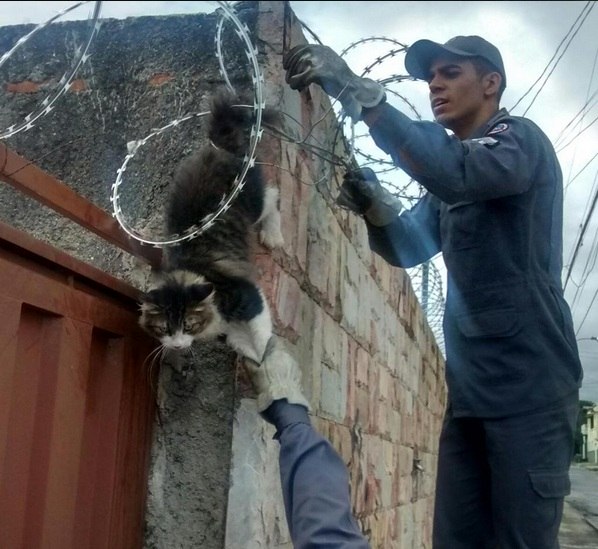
x: 550, y: 55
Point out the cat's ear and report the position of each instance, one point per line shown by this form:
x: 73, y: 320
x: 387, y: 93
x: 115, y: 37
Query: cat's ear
x: 151, y: 297
x: 201, y: 292
x: 157, y: 279
x: 149, y: 302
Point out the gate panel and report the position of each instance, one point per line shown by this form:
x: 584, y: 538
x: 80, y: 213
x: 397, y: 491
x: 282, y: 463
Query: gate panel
x: 96, y: 490
x: 76, y: 405
x: 10, y: 311
x: 29, y: 422
x: 66, y: 432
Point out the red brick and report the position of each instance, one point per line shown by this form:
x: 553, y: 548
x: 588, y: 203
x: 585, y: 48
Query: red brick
x: 159, y: 79
x: 25, y: 86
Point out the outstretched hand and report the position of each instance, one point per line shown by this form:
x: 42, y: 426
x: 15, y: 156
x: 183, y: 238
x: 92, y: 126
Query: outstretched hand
x: 277, y: 377
x: 362, y: 193
x: 318, y: 64
x: 357, y: 190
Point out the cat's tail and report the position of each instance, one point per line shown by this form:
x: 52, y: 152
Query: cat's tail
x: 231, y: 119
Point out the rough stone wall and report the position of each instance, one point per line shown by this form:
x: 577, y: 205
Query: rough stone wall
x: 372, y: 370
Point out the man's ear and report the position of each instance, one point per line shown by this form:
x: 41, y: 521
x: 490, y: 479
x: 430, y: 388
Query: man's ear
x: 492, y: 82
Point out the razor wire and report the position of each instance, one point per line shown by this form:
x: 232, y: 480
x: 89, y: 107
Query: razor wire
x: 47, y: 104
x: 242, y: 31
x: 226, y: 12
x: 426, y: 278
x: 427, y: 285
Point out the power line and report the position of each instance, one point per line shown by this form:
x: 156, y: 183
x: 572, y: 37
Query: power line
x: 581, y: 113
x: 581, y: 235
x: 557, y: 61
x: 586, y: 105
x: 580, y: 171
x: 578, y: 134
x: 556, y: 53
x: 587, y: 312
x: 587, y: 270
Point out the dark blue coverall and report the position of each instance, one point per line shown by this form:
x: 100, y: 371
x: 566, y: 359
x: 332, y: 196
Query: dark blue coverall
x: 494, y: 210
x: 315, y: 483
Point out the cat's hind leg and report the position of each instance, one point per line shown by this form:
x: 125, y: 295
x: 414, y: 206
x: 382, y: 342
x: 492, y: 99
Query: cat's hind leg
x: 270, y: 232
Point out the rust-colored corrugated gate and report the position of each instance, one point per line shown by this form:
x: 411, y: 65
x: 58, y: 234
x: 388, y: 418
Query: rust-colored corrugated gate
x: 76, y: 402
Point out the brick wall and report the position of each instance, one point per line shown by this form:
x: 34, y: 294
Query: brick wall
x: 372, y: 370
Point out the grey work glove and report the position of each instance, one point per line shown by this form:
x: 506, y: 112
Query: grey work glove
x: 314, y: 63
x: 277, y: 377
x: 362, y: 193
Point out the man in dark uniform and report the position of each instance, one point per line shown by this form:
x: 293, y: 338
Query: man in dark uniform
x: 494, y: 210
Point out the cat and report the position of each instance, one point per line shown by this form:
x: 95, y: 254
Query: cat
x: 206, y: 287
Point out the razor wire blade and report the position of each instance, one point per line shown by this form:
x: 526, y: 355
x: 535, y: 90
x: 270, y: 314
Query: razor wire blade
x: 242, y: 31
x: 64, y: 83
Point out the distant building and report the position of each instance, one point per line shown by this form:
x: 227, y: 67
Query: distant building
x: 589, y: 431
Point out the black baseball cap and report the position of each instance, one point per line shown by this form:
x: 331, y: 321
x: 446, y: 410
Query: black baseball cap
x: 422, y: 53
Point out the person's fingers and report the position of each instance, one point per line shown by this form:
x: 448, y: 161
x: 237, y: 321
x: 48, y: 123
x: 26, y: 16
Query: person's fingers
x: 346, y: 199
x: 293, y: 54
x: 301, y: 80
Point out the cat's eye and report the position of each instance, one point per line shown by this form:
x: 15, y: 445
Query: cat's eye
x: 159, y: 329
x: 192, y: 325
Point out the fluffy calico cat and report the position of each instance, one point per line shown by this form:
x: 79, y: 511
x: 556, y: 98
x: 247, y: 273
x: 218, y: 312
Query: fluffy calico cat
x: 207, y: 285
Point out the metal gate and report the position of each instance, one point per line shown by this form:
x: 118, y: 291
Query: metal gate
x: 76, y: 402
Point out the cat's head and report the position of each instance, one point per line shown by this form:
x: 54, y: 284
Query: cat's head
x: 179, y: 310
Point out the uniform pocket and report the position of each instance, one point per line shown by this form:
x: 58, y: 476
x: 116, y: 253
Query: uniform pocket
x: 546, y: 509
x: 463, y: 227
x: 503, y: 322
x: 550, y: 484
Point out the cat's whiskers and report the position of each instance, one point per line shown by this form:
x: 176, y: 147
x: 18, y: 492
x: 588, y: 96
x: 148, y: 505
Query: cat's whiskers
x: 154, y: 357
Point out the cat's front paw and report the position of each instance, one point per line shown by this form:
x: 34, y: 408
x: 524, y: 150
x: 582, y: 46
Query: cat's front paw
x: 271, y: 238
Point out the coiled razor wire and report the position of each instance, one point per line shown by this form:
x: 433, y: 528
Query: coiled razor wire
x: 256, y: 132
x: 46, y: 106
x: 427, y: 285
x: 411, y: 191
x: 426, y: 279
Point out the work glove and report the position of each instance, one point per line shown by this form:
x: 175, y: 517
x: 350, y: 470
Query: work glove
x: 362, y: 193
x: 314, y: 63
x: 277, y: 377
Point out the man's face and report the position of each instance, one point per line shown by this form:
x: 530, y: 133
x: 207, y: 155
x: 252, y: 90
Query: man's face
x: 456, y: 94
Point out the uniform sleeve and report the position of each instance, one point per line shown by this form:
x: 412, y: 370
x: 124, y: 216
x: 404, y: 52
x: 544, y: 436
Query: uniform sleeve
x: 454, y: 170
x: 413, y: 238
x: 315, y: 484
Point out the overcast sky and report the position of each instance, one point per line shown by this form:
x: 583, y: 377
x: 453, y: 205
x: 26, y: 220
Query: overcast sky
x: 528, y: 34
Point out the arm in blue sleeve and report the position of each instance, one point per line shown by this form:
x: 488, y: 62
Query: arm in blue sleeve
x: 455, y: 170
x: 413, y: 238
x: 315, y: 483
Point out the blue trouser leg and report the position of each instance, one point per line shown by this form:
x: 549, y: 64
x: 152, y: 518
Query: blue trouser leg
x: 530, y: 457
x: 501, y: 482
x: 462, y: 514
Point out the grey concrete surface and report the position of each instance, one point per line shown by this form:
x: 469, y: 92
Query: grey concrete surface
x: 579, y: 527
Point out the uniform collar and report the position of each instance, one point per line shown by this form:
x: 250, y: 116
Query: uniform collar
x: 485, y: 128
